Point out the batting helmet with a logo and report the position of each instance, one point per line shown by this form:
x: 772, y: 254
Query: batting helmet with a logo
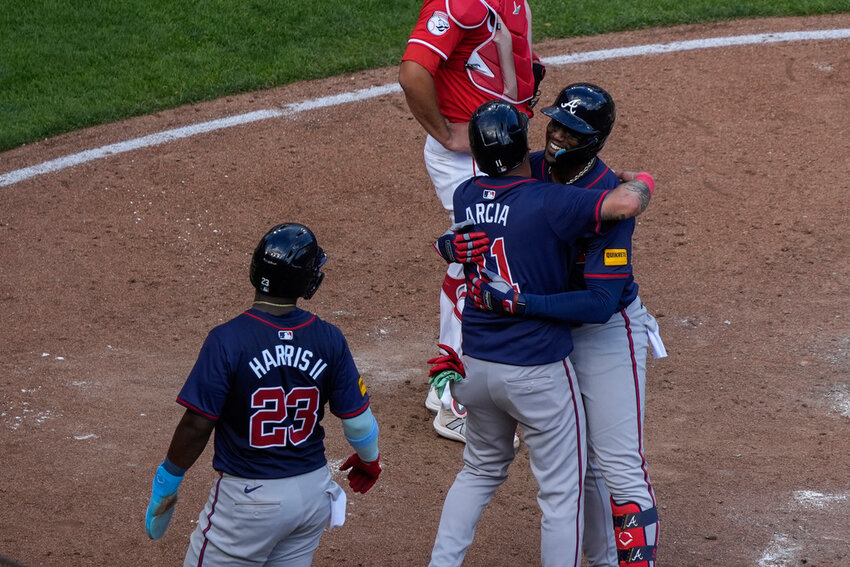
x: 287, y: 262
x: 588, y: 112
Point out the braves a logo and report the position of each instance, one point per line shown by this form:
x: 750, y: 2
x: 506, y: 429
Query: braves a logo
x: 571, y: 105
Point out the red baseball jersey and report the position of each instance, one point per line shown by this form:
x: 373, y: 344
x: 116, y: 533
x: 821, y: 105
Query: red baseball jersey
x: 476, y: 50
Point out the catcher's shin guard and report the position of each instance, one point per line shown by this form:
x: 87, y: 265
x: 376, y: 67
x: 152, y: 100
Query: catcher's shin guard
x: 630, y: 525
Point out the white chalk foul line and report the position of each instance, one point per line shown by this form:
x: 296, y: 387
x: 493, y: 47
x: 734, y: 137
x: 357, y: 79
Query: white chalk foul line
x: 372, y: 92
x: 690, y: 45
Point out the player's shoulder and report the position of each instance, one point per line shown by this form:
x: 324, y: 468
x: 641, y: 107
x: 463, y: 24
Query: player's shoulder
x: 558, y: 197
x: 233, y: 325
x: 467, y: 13
x: 472, y: 184
x: 602, y: 176
x: 326, y: 328
x: 538, y: 165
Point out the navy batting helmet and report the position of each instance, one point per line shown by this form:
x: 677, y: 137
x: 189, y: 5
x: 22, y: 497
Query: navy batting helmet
x: 287, y: 262
x: 587, y: 111
x: 498, y: 137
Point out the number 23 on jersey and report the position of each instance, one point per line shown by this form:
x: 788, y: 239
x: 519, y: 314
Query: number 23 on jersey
x: 269, y: 427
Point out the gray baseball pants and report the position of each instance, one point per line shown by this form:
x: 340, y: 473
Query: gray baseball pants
x: 610, y: 364
x: 270, y: 522
x: 546, y: 404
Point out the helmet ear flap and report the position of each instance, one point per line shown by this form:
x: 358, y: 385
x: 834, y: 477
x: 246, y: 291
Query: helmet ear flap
x: 314, y: 285
x: 318, y: 278
x: 582, y: 154
x: 587, y: 110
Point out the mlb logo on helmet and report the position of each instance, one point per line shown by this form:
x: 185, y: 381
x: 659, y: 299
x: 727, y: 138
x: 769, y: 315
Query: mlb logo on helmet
x: 489, y: 194
x: 284, y: 335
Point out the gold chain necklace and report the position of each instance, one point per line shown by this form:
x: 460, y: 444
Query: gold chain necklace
x: 274, y: 304
x: 580, y: 173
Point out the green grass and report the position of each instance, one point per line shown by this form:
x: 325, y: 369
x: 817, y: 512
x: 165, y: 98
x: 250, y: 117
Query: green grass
x: 591, y: 17
x: 65, y: 65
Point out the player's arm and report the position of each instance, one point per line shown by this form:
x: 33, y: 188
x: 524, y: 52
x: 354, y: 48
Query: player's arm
x: 188, y: 442
x: 596, y: 304
x: 420, y: 92
x: 361, y: 432
x: 628, y: 199
x: 190, y: 439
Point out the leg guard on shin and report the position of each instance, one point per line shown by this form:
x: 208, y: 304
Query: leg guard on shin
x: 630, y: 525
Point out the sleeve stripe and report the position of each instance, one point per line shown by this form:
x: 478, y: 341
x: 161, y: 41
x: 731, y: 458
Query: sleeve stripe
x: 599, y: 211
x: 442, y: 55
x: 607, y: 276
x: 353, y: 413
x: 192, y: 408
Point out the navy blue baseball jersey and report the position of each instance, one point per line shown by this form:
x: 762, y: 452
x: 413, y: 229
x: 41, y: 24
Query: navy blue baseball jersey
x: 532, y: 226
x: 606, y: 257
x: 265, y: 381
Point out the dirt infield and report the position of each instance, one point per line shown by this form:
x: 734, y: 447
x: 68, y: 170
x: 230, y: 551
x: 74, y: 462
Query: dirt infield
x: 112, y: 272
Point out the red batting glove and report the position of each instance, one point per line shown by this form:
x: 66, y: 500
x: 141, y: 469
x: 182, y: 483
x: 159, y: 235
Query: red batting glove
x: 450, y: 361
x: 363, y: 475
x: 458, y: 244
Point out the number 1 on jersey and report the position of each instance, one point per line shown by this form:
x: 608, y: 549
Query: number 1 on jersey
x: 497, y: 252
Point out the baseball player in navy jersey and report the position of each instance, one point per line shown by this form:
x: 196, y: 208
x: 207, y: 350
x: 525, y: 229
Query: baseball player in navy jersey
x: 453, y: 62
x: 517, y: 370
x: 611, y: 334
x: 261, y: 382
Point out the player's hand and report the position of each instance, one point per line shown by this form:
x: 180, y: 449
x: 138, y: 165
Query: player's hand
x: 445, y: 369
x: 448, y: 361
x: 162, y: 503
x: 458, y: 137
x: 461, y: 245
x: 538, y: 69
x: 363, y: 474
x: 626, y: 176
x: 493, y: 293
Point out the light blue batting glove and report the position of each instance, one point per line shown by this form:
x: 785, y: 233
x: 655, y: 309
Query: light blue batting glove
x: 163, y: 502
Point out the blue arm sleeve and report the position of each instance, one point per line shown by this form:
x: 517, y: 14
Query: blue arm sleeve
x: 361, y: 432
x: 594, y: 305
